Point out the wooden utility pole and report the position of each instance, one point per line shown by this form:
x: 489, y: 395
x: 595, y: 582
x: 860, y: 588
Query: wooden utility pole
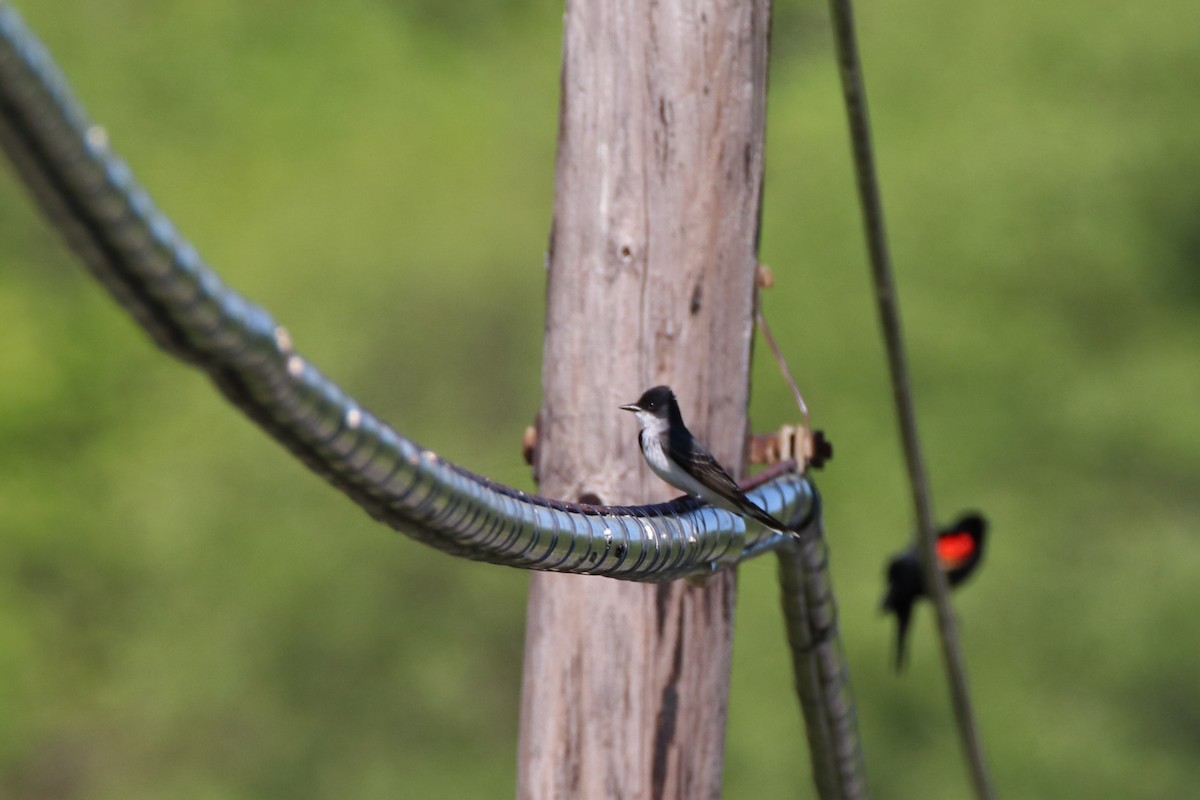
x: 651, y: 280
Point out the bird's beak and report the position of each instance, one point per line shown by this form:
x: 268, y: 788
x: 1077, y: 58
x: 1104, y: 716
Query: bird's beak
x: 631, y: 407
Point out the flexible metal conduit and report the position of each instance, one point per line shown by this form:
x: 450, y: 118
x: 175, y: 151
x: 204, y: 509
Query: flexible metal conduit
x: 820, y: 672
x: 135, y: 251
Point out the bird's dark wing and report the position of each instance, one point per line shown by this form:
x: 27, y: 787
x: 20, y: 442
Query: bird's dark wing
x: 960, y: 547
x: 706, y: 469
x: 704, y: 466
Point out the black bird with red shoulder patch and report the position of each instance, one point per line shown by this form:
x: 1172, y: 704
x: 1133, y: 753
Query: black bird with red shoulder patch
x: 959, y: 551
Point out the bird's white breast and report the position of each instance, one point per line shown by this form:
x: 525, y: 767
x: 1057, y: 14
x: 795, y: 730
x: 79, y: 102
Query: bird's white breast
x: 653, y: 430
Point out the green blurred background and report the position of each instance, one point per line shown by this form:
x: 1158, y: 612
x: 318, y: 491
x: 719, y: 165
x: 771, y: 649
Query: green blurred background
x: 185, y: 612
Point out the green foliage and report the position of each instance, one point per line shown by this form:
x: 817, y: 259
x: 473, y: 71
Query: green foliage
x: 185, y: 612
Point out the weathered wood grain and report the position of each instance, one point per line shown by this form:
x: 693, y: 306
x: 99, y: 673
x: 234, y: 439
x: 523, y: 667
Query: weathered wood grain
x: 651, y: 270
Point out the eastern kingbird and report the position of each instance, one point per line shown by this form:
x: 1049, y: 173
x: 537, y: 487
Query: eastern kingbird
x: 959, y: 550
x: 679, y: 459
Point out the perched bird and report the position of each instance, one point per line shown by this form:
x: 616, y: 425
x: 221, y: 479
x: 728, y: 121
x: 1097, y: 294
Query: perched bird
x: 959, y: 550
x: 679, y: 459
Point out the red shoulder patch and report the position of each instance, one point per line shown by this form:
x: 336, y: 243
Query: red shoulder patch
x: 953, y: 549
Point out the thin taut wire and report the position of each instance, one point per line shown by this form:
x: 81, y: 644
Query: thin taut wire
x: 889, y: 316
x: 761, y: 318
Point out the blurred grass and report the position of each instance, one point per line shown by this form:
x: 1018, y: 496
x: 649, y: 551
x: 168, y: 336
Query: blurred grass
x: 185, y: 612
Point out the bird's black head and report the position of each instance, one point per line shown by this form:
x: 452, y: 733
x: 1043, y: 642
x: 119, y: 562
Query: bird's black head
x: 659, y: 401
